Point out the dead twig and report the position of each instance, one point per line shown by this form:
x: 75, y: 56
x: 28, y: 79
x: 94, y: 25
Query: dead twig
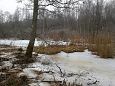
x: 62, y: 74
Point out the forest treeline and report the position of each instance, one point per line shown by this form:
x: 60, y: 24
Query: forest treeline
x: 89, y: 18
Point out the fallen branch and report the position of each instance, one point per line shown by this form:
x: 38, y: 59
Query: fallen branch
x: 62, y: 74
x: 47, y: 72
x: 52, y: 81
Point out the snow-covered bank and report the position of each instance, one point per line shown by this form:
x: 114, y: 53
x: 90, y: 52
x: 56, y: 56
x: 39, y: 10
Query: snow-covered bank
x: 20, y: 43
x: 79, y: 67
x: 103, y: 69
x: 24, y: 43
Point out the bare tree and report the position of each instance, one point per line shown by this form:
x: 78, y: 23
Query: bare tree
x: 34, y: 28
x: 56, y: 4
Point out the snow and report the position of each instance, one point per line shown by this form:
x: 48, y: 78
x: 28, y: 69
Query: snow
x: 39, y: 84
x: 20, y: 43
x: 24, y: 43
x: 30, y: 73
x: 103, y: 69
x: 44, y: 84
x: 46, y: 61
x: 6, y: 65
x: 87, y: 67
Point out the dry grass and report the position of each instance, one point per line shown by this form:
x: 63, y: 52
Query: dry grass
x: 102, y: 45
x: 54, y: 49
x: 13, y: 81
x: 57, y: 36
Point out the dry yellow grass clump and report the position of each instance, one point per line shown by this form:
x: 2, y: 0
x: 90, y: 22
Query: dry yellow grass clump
x: 102, y: 46
x: 54, y: 49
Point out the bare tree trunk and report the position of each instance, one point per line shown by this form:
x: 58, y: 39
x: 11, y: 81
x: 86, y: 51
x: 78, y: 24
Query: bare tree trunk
x: 33, y: 33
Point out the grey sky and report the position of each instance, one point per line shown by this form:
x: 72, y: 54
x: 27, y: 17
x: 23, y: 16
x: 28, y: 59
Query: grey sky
x: 8, y: 5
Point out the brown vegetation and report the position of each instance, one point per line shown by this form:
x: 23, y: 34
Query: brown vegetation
x: 102, y: 45
x: 54, y: 49
x: 14, y: 80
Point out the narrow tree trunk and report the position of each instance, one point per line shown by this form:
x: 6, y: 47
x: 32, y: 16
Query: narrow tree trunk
x: 33, y: 33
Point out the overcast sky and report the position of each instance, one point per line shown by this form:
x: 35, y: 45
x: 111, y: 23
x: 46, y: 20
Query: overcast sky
x: 11, y: 5
x: 8, y: 5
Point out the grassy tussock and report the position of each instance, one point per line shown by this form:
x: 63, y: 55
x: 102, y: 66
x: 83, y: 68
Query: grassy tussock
x: 54, y: 49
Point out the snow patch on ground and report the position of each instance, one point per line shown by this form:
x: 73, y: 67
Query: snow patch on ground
x: 103, y: 69
x: 20, y: 43
x: 89, y: 70
x: 24, y: 43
